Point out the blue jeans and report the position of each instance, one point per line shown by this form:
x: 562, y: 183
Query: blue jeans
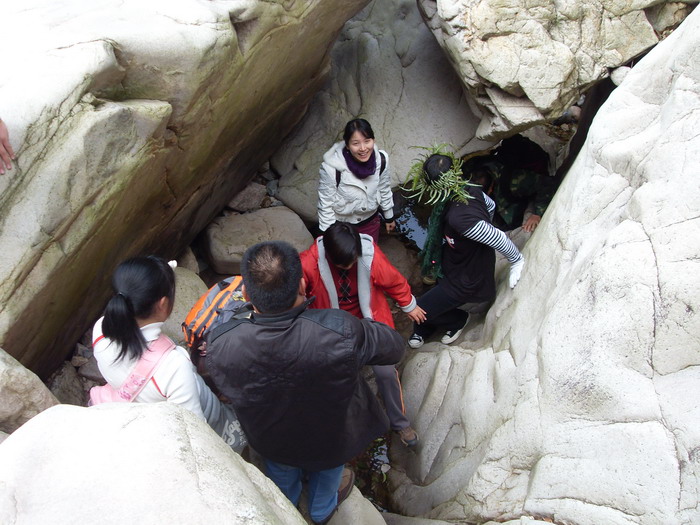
x: 323, y: 487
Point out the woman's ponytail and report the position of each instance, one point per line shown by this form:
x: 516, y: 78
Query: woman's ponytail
x: 139, y: 284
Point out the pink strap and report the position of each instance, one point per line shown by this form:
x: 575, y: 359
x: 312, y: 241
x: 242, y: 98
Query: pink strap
x: 145, y: 368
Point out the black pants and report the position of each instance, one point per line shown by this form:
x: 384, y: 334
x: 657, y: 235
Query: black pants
x: 441, y: 312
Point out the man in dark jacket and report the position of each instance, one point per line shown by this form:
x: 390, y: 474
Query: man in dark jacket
x: 293, y: 376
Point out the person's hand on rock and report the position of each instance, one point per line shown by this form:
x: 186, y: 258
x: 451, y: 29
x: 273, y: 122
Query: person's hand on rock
x: 516, y: 269
x: 7, y: 154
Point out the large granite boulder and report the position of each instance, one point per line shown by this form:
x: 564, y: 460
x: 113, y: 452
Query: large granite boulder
x: 145, y: 463
x: 134, y: 124
x: 526, y: 62
x: 22, y: 394
x: 229, y: 236
x: 385, y: 67
x: 580, y: 404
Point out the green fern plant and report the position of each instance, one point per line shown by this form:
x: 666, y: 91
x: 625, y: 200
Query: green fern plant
x: 450, y: 186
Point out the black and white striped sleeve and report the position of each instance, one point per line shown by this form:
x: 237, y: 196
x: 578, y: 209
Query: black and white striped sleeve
x: 490, y: 205
x: 487, y: 234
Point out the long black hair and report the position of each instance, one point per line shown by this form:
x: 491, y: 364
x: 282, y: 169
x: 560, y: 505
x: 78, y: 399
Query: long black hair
x: 138, y: 283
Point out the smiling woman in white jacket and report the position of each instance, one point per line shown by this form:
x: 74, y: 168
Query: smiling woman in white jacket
x: 355, y: 183
x: 145, y: 292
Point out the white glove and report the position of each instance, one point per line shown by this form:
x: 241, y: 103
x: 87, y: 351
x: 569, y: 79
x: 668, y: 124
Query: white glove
x: 516, y: 269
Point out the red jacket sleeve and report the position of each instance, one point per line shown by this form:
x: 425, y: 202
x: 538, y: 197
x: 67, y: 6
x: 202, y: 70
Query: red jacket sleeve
x: 389, y: 280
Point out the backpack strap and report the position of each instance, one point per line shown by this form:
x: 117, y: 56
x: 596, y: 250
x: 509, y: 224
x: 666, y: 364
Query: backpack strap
x: 145, y: 368
x: 382, y: 167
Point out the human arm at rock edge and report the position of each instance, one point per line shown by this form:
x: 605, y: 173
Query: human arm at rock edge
x: 386, y: 197
x: 390, y: 281
x: 546, y: 188
x: 491, y: 236
x: 7, y: 154
x: 376, y: 343
x: 327, y: 190
x: 531, y: 223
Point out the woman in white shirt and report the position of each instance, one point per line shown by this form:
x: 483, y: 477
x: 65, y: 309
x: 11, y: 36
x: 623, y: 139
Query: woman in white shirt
x: 134, y: 316
x: 355, y: 182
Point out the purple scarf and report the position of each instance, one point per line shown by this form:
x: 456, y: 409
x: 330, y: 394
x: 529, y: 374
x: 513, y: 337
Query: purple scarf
x: 361, y: 170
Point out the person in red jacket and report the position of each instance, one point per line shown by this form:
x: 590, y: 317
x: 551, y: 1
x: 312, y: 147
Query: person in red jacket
x: 347, y: 270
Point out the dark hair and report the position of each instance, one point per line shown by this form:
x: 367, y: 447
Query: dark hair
x: 358, y: 124
x: 435, y: 165
x: 480, y: 170
x: 342, y: 243
x: 271, y: 274
x: 139, y: 284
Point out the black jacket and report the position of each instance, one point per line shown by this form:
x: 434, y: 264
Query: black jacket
x: 294, y: 381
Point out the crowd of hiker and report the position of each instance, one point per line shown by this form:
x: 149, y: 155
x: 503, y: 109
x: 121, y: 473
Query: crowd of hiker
x: 282, y: 347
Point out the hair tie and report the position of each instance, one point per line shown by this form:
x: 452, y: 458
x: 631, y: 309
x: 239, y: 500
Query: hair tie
x: 123, y: 295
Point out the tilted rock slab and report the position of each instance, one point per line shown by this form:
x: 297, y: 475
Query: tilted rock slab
x: 525, y: 62
x: 583, y: 406
x: 22, y: 394
x: 135, y: 123
x: 387, y: 68
x: 143, y: 463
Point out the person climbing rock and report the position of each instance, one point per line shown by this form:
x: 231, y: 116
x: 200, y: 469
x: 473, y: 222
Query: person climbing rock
x: 519, y: 182
x: 459, y: 249
x: 355, y: 182
x: 347, y: 270
x: 293, y: 375
x: 143, y: 300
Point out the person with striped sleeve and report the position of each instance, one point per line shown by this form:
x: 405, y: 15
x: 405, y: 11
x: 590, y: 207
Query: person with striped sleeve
x: 463, y: 243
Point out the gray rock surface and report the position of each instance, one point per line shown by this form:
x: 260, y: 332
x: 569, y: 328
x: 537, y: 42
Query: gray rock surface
x: 525, y: 62
x: 134, y: 124
x: 22, y: 394
x: 229, y: 236
x: 249, y: 198
x: 580, y: 403
x: 90, y: 370
x: 67, y: 385
x: 387, y: 68
x: 357, y: 509
x: 145, y: 463
x: 187, y: 259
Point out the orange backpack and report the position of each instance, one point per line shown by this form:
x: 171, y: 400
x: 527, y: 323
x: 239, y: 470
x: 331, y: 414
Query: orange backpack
x: 218, y: 305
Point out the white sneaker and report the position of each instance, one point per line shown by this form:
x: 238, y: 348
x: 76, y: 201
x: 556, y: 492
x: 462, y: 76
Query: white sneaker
x: 415, y: 341
x: 452, y: 335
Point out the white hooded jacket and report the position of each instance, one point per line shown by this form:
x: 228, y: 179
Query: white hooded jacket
x: 352, y: 200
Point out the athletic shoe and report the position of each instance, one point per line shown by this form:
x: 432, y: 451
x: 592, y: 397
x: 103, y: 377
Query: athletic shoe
x: 408, y: 436
x: 415, y: 341
x: 452, y: 335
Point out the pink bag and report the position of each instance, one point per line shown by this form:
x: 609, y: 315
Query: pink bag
x: 139, y: 377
